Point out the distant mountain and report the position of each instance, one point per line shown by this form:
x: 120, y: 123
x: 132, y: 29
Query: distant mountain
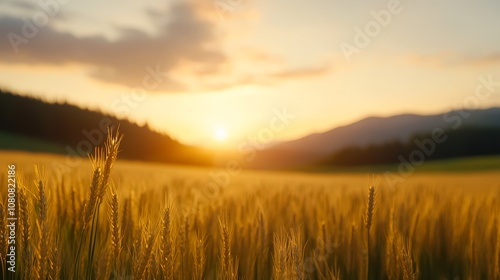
x: 369, y: 131
x: 34, y: 125
x: 463, y: 142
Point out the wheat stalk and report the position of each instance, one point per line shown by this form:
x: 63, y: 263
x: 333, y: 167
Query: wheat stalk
x: 43, y: 247
x: 226, y: 252
x: 108, y: 155
x: 199, y: 256
x: 296, y: 255
x: 390, y: 250
x: 370, y: 208
x: 60, y: 194
x: 26, y: 231
x: 184, y: 245
x: 91, y: 202
x: 74, y: 210
x: 55, y: 264
x: 167, y: 248
x: 145, y: 256
x: 279, y: 257
x: 405, y: 260
x: 352, y: 250
x: 263, y: 242
x: 102, y: 162
x: 116, y: 237
x: 228, y: 269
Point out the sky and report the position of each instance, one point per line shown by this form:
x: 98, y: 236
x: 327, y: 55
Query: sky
x: 215, y: 72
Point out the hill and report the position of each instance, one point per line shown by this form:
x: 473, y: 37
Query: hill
x: 34, y: 125
x: 464, y: 142
x: 370, y: 131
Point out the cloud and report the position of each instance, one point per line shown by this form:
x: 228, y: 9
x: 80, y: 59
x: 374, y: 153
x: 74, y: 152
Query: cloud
x: 482, y: 60
x: 186, y: 50
x: 20, y: 5
x: 185, y: 37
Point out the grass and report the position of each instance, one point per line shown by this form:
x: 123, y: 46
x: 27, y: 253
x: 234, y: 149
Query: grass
x: 159, y: 222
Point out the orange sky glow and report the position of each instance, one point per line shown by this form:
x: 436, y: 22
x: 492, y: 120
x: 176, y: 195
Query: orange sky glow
x: 215, y: 72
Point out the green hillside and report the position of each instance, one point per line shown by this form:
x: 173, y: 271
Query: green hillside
x: 36, y: 125
x: 10, y: 141
x: 465, y: 164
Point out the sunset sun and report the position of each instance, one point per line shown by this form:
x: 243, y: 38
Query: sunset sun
x: 220, y: 134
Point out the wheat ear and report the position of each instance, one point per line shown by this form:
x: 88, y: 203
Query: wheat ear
x: 370, y: 208
x: 43, y: 248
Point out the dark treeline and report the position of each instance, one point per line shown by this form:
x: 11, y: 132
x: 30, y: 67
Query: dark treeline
x: 77, y: 130
x: 463, y: 142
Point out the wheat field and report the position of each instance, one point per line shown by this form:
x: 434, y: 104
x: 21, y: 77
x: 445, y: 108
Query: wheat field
x: 125, y: 220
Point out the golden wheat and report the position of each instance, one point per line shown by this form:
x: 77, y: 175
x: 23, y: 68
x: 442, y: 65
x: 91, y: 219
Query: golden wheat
x: 199, y: 257
x: 43, y: 247
x: 370, y: 208
x: 274, y: 226
x: 406, y: 260
x: 145, y: 255
x: 228, y: 267
x: 116, y: 238
x: 167, y: 245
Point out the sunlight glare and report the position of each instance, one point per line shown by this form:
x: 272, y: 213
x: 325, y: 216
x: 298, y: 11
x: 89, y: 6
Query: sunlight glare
x: 220, y: 134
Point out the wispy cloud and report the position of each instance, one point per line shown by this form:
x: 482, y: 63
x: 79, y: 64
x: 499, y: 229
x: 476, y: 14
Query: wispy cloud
x: 183, y: 37
x: 186, y: 50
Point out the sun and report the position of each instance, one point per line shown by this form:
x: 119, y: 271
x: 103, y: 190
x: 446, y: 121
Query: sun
x: 220, y: 133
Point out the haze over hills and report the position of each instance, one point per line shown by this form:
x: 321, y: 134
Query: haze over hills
x: 370, y: 131
x: 33, y: 125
